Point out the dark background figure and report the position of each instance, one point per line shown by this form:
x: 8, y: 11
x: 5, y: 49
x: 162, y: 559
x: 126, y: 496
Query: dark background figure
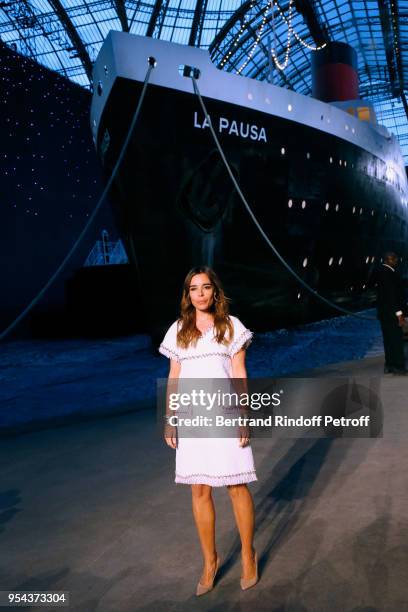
x: 391, y: 302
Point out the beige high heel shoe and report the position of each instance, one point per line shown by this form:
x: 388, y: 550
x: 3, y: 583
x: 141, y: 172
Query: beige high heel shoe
x: 201, y: 588
x: 247, y: 584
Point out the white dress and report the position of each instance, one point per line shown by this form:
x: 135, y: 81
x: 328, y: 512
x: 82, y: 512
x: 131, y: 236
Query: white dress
x: 212, y: 461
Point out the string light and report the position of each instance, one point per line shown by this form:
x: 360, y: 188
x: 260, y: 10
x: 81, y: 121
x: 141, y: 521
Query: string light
x: 270, y: 6
x: 240, y: 32
x: 296, y: 35
x: 395, y: 26
x: 258, y: 38
x: 305, y: 44
x: 291, y: 31
x: 289, y: 34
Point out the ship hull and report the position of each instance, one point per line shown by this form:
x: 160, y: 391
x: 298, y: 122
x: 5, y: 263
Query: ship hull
x: 176, y: 206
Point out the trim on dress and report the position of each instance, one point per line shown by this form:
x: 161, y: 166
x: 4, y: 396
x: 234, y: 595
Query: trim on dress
x: 204, y: 355
x: 164, y: 350
x: 217, y: 481
x: 243, y: 340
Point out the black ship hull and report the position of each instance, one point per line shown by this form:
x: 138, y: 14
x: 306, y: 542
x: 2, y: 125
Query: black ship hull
x: 317, y: 196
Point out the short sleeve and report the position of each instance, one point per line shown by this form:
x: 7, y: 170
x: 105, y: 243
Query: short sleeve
x: 169, y: 346
x: 241, y: 339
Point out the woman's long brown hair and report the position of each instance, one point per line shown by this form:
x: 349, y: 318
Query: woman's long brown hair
x: 188, y: 332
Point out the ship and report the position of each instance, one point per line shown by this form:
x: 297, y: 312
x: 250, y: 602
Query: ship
x: 324, y: 179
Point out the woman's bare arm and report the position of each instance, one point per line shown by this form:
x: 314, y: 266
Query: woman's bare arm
x: 170, y: 431
x: 238, y: 365
x: 175, y: 367
x: 239, y: 372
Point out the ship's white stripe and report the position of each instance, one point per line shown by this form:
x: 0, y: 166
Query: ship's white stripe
x: 123, y: 54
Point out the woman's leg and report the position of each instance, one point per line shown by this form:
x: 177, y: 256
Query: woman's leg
x: 204, y: 516
x: 243, y: 507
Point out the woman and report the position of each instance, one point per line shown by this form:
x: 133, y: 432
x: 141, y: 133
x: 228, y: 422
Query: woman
x: 205, y: 342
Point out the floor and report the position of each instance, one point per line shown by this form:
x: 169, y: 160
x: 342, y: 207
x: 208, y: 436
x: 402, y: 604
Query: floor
x: 91, y: 508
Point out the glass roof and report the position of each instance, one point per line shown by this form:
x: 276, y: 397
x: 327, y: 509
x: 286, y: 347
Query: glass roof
x: 65, y: 35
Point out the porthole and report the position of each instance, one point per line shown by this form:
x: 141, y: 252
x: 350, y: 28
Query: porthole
x: 340, y: 162
x: 373, y: 259
x: 337, y: 207
x: 367, y: 260
x: 331, y: 160
x: 298, y: 296
x: 361, y: 211
x: 283, y: 151
x: 289, y: 107
x: 340, y: 261
x: 304, y: 204
x: 327, y: 206
x: 304, y: 264
x: 308, y: 155
x: 354, y: 209
x: 290, y: 203
x: 330, y: 261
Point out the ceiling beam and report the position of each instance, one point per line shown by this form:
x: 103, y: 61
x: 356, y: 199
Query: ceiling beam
x: 404, y: 102
x: 229, y: 32
x: 304, y: 7
x: 317, y: 31
x: 154, y: 17
x: 387, y: 32
x: 121, y: 11
x: 229, y: 25
x: 73, y: 36
x: 396, y: 20
x: 135, y: 10
x: 197, y: 25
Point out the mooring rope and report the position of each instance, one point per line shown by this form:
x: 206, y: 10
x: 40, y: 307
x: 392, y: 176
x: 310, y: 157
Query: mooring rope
x: 258, y: 225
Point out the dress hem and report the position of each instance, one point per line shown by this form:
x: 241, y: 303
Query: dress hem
x: 216, y: 481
